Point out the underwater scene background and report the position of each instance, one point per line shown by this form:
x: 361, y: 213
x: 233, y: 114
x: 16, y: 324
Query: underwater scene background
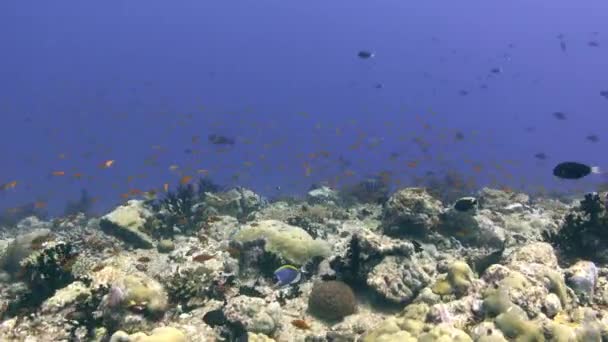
x: 303, y: 171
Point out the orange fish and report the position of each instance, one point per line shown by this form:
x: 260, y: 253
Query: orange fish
x: 106, y: 164
x: 185, y: 179
x: 39, y: 205
x: 166, y: 187
x: 78, y: 175
x: 9, y: 185
x: 412, y: 164
x: 58, y: 173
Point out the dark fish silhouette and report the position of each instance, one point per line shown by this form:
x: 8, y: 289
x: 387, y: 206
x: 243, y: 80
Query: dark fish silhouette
x: 562, y: 45
x: 559, y: 115
x: 540, y: 156
x: 604, y: 93
x: 463, y: 93
x: 496, y: 70
x: 220, y: 140
x: 574, y: 170
x: 593, y: 43
x: 364, y: 54
x: 593, y: 138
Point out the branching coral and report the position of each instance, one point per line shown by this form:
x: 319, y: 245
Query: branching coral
x: 584, y: 232
x: 44, y: 272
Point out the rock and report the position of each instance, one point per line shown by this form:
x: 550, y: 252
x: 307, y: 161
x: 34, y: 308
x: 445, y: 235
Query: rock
x: 21, y: 247
x: 66, y: 296
x: 501, y: 201
x: 399, y: 279
x: 292, y: 244
x: 237, y: 202
x: 553, y: 305
x: 165, y: 246
x: 476, y: 227
x: 322, y: 195
x: 221, y: 228
x: 164, y: 334
x: 411, y: 211
x: 126, y: 222
x: 538, y: 253
x: 582, y: 278
x: 254, y: 314
x: 457, y: 280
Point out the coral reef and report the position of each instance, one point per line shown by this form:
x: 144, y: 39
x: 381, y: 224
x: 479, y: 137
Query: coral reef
x: 199, y: 266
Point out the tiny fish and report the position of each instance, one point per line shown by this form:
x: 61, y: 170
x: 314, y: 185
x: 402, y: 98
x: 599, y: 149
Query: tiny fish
x: 300, y: 324
x: 220, y: 140
x: 144, y: 259
x: 604, y: 93
x: 593, y: 43
x: 496, y: 70
x: 463, y: 92
x: 593, y: 138
x: 559, y: 115
x: 287, y: 275
x: 203, y: 257
x: 365, y: 54
x: 9, y: 185
x: 574, y: 170
x: 540, y: 156
x: 107, y: 164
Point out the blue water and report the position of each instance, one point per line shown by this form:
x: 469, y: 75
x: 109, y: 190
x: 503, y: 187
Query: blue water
x: 139, y: 82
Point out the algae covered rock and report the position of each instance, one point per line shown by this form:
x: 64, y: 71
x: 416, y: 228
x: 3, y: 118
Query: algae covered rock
x: 292, y: 244
x: 582, y: 278
x: 399, y: 279
x: 237, y: 202
x: 164, y: 334
x: 21, y: 247
x: 411, y: 211
x: 457, y: 280
x: 126, y: 222
x: 140, y: 290
x: 321, y: 195
x: 332, y: 300
x: 66, y: 296
x: 165, y: 246
x: 254, y: 314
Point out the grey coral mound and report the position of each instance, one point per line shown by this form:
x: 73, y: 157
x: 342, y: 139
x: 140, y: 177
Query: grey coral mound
x: 332, y: 300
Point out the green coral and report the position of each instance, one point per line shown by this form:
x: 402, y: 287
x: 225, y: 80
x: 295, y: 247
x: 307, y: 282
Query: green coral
x: 457, y: 280
x: 292, y: 244
x: 514, y: 326
x: 145, y: 292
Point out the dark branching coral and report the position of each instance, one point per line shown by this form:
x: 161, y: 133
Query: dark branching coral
x: 332, y: 300
x: 44, y: 272
x: 229, y: 331
x: 177, y: 210
x: 584, y: 233
x: 86, y: 312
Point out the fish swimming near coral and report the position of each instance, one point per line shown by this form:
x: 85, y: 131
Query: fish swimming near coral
x: 220, y: 140
x: 574, y: 170
x: 287, y: 275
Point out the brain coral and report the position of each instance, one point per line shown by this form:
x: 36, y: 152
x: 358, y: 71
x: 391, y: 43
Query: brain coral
x: 332, y: 300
